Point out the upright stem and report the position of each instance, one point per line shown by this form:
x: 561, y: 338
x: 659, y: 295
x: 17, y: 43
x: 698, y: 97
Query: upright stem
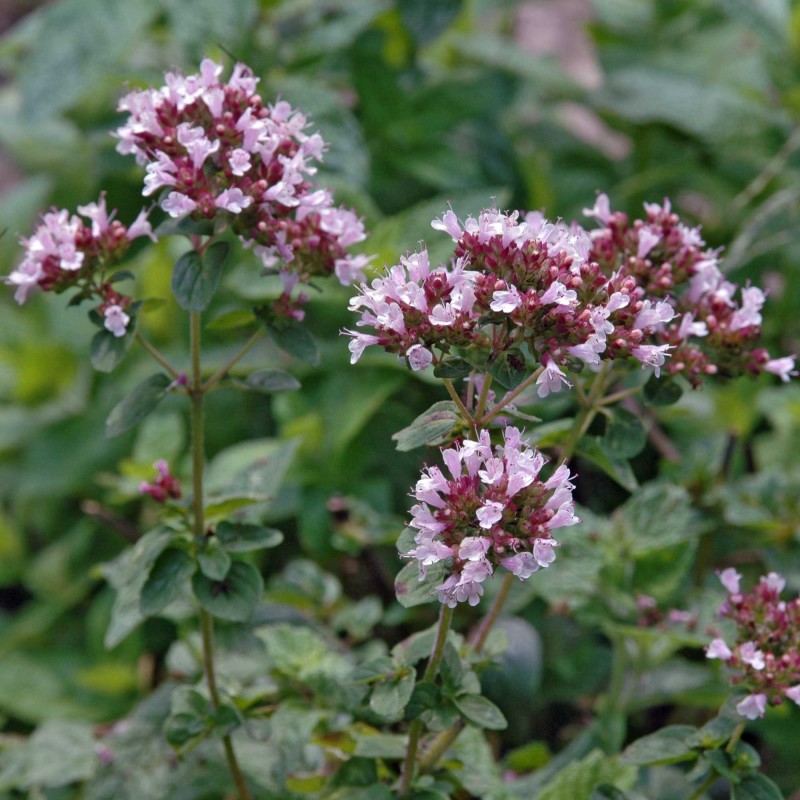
x: 583, y: 419
x: 196, y: 394
x: 485, y: 628
x: 451, y: 390
x: 415, y: 730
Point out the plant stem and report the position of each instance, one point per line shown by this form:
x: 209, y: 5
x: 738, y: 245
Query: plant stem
x: 509, y: 396
x: 225, y: 368
x: 415, y: 730
x: 451, y: 390
x: 584, y: 418
x: 735, y: 736
x: 196, y: 394
x: 487, y: 623
x: 487, y: 384
x: 706, y: 784
x: 157, y: 355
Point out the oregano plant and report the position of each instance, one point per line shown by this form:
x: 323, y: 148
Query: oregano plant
x: 293, y: 688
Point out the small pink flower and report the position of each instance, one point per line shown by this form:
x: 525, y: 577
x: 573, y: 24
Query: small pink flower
x: 489, y: 514
x: 419, y: 357
x: 233, y: 200
x: 782, y: 367
x: 177, y: 204
x: 751, y: 655
x: 116, y: 320
x: 753, y: 706
x: 730, y: 578
x: 718, y: 649
x: 793, y: 693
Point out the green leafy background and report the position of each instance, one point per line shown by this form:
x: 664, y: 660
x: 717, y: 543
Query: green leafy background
x: 423, y: 105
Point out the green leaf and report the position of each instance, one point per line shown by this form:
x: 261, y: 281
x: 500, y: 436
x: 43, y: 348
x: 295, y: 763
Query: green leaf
x: 195, y: 24
x: 234, y: 598
x: 381, y: 745
x: 425, y: 20
x: 184, y: 727
x: 239, y: 537
x: 272, y: 380
x: 658, y: 516
x: 756, y: 787
x: 481, y: 712
x: 108, y: 350
x: 57, y: 753
x: 452, y: 368
x: 389, y: 698
x: 75, y: 44
x: 214, y: 560
x: 721, y: 762
x: 293, y: 338
x: 228, y: 320
x: 411, y: 591
x: 625, y: 436
x: 195, y: 278
x: 617, y: 469
x: 302, y: 654
x: 166, y: 580
x: 719, y: 730
x: 425, y: 697
x: 578, y: 780
x: 127, y: 575
x: 670, y: 745
x: 137, y: 405
x: 252, y: 469
x: 431, y: 427
x: 662, y: 391
x: 509, y: 369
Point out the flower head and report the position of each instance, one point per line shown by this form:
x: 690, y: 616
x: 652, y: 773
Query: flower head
x: 764, y: 654
x: 490, y: 509
x: 217, y: 148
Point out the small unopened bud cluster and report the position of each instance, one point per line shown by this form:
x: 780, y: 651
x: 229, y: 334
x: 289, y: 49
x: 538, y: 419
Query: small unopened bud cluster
x: 491, y: 509
x: 765, y: 653
x: 646, y: 292
x: 215, y: 148
x: 65, y: 252
x: 164, y: 486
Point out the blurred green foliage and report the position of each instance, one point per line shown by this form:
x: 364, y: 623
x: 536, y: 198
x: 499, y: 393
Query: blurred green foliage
x: 534, y: 105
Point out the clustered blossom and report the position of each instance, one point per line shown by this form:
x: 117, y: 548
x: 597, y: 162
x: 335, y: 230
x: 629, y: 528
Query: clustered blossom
x: 765, y: 654
x: 572, y: 298
x: 67, y: 252
x: 211, y: 146
x: 489, y: 509
x: 716, y: 324
x: 164, y: 486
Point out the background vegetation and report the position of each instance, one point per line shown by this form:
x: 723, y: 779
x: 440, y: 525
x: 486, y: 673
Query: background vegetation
x: 537, y: 105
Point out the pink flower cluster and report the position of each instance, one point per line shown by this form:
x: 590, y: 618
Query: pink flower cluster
x: 713, y: 331
x: 214, y: 147
x: 766, y: 652
x: 65, y: 252
x: 164, y: 486
x: 490, y: 509
x: 571, y: 298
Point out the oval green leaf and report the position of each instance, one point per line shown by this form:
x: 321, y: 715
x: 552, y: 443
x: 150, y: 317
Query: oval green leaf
x: 165, y: 582
x: 234, y: 598
x: 137, y: 405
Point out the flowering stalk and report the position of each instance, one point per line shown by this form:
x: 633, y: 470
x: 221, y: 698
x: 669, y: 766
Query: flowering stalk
x: 415, y: 731
x: 196, y: 392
